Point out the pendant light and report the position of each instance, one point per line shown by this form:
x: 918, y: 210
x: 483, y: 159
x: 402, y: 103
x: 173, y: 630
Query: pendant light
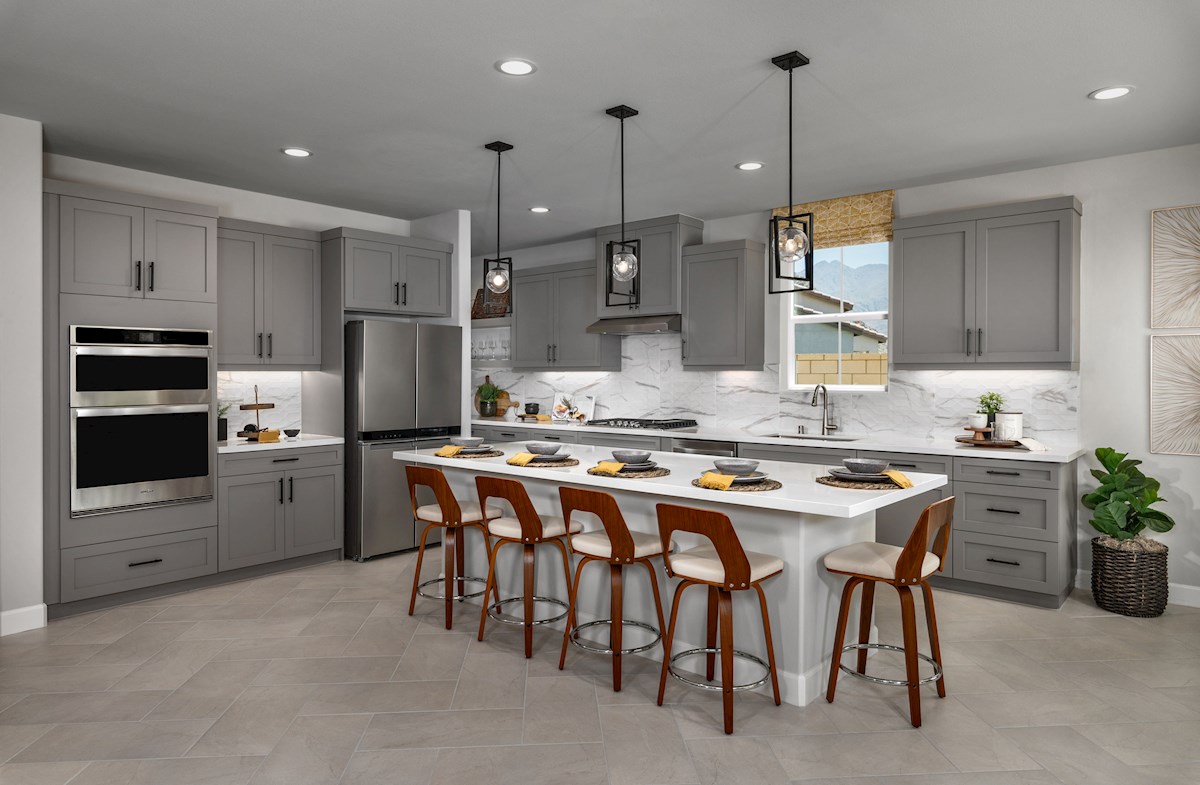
x: 497, y: 272
x: 791, y: 234
x: 623, y: 255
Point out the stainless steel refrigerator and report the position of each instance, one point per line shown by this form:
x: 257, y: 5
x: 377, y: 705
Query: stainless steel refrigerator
x: 403, y: 390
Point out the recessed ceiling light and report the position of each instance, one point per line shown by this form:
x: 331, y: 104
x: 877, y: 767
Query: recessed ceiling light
x: 296, y: 152
x: 750, y: 166
x: 1109, y: 93
x: 514, y: 66
x: 539, y: 209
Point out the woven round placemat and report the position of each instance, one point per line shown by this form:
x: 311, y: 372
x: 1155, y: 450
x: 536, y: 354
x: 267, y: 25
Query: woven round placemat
x: 488, y: 454
x: 550, y: 464
x: 859, y: 486
x: 753, y: 487
x: 649, y: 474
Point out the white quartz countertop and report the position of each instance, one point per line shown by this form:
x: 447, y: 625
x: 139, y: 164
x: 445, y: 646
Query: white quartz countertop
x: 284, y: 443
x: 1057, y: 453
x: 801, y: 493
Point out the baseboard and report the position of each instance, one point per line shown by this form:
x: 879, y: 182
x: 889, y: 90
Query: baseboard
x: 31, y: 617
x: 1177, y: 593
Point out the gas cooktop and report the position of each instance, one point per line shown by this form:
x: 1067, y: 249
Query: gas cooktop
x: 626, y: 422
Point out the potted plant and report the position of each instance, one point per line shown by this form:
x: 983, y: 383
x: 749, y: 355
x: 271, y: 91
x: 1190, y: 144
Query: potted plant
x: 989, y: 404
x: 488, y: 394
x: 223, y: 408
x: 1129, y: 571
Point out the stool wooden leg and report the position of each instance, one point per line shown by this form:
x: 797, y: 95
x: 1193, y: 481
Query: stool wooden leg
x: 908, y: 619
x: 530, y: 561
x: 725, y: 603
x: 572, y: 598
x: 491, y: 584
x: 662, y: 631
x: 711, y: 659
x: 934, y: 644
x: 452, y: 549
x: 839, y: 636
x: 866, y: 607
x: 616, y: 584
x: 662, y: 680
x: 412, y: 601
x: 762, y: 603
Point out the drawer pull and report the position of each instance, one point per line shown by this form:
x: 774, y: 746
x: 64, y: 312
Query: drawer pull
x: 905, y: 465
x: 281, y: 490
x: 1006, y: 512
x: 144, y: 563
x: 1005, y: 474
x: 508, y: 435
x: 1002, y: 561
x: 283, y: 460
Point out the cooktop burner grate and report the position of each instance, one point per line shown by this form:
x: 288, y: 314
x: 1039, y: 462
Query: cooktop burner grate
x: 628, y: 422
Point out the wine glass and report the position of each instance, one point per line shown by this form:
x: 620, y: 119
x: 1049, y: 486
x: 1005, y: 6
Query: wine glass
x: 474, y: 349
x: 492, y: 348
x: 504, y: 348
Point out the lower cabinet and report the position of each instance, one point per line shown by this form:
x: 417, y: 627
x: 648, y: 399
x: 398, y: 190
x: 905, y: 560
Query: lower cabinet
x: 112, y: 567
x: 251, y: 519
x: 793, y: 454
x: 626, y: 441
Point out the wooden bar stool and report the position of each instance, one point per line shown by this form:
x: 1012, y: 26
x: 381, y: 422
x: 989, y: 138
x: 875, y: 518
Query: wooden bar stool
x: 455, y: 518
x: 616, y: 546
x: 724, y: 567
x: 868, y: 563
x: 528, y: 530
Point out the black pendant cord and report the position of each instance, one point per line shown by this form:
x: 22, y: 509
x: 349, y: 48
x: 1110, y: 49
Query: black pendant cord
x: 622, y: 183
x: 499, y: 159
x: 791, y: 144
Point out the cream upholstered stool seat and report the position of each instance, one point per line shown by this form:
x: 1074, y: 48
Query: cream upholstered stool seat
x: 868, y: 563
x: 702, y: 563
x: 617, y: 547
x: 511, y: 527
x: 455, y: 517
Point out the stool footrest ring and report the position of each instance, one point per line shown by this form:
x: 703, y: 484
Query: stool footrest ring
x: 741, y: 655
x: 937, y: 669
x: 442, y: 596
x: 624, y: 623
x: 494, y: 611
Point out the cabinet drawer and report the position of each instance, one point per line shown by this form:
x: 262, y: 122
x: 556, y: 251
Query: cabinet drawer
x: 285, y: 459
x: 909, y: 462
x: 111, y: 567
x: 1013, y: 512
x: 1007, y: 561
x: 498, y: 434
x: 546, y: 436
x: 794, y: 454
x: 1028, y: 474
x: 622, y: 440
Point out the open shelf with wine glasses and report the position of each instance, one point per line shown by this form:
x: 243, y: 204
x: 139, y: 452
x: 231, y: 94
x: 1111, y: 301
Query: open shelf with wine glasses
x: 491, y: 344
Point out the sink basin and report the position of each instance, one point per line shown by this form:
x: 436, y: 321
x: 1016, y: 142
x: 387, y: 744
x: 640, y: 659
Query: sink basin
x: 816, y: 437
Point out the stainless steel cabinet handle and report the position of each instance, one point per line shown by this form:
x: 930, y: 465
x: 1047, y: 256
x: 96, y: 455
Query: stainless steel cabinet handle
x: 404, y: 288
x: 291, y: 489
x: 979, y: 343
x: 1003, y: 474
x: 281, y: 490
x: 397, y: 285
x: 260, y: 344
x: 137, y: 283
x: 151, y: 286
x: 1006, y: 512
x: 968, y: 341
x: 1003, y: 561
x: 144, y: 563
x: 270, y: 344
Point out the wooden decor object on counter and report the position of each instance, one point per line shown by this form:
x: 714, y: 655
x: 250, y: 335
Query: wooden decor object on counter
x: 256, y: 407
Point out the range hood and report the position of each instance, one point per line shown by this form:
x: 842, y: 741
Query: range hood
x: 638, y: 325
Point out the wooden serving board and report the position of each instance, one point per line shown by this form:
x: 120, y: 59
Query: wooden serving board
x: 986, y: 442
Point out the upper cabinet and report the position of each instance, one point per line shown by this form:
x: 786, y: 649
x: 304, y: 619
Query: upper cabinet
x: 552, y: 308
x: 270, y: 296
x: 996, y: 286
x: 391, y: 274
x: 724, y: 287
x: 660, y: 257
x: 121, y: 246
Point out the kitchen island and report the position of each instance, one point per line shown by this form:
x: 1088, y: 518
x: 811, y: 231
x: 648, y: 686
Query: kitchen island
x: 800, y: 523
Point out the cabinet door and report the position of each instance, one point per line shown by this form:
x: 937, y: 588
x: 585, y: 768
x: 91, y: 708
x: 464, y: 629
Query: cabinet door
x: 100, y: 247
x: 574, y: 310
x: 658, y: 268
x: 933, y: 294
x: 894, y: 523
x: 790, y: 454
x: 292, y: 301
x: 1024, y: 299
x: 250, y: 520
x: 181, y: 257
x: 314, y: 510
x: 372, y: 276
x: 239, y: 298
x: 533, y: 321
x: 424, y: 282
x: 714, y: 310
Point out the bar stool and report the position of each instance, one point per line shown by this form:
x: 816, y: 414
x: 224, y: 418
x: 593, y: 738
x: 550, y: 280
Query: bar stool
x: 527, y: 529
x: 616, y: 546
x: 455, y: 518
x: 868, y: 563
x: 724, y: 567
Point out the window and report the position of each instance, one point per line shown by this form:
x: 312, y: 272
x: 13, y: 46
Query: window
x: 837, y: 333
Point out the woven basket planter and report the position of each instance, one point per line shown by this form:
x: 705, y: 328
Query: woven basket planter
x: 1130, y: 583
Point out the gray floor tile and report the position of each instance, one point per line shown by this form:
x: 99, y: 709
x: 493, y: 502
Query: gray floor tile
x: 395, y: 767
x: 111, y: 625
x: 1022, y: 709
x: 328, y: 670
x: 140, y: 644
x: 255, y: 722
x: 209, y: 692
x: 856, y: 755
x: 753, y: 715
x: 39, y: 773
x: 969, y: 742
x: 381, y: 636
x: 433, y: 658
x: 245, y: 628
x: 47, y: 654
x: 313, y: 751
x: 213, y: 612
x: 396, y: 696
x: 1072, y: 758
x: 71, y: 678
x: 113, y: 741
x: 1148, y: 743
x: 643, y: 747
x: 578, y: 764
x: 172, y: 666
x: 560, y: 709
x: 14, y: 738
x: 282, y: 648
x: 736, y: 761
x: 477, y: 727
x: 339, y: 618
x: 170, y: 771
x: 82, y: 707
x: 491, y: 681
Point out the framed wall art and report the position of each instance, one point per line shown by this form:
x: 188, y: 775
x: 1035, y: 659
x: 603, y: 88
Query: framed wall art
x: 1175, y: 394
x: 1175, y: 267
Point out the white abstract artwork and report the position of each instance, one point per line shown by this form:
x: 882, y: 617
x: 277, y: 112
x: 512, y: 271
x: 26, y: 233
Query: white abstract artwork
x: 1175, y: 267
x: 1175, y: 394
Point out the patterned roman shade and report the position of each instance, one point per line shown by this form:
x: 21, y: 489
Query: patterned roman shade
x: 849, y: 220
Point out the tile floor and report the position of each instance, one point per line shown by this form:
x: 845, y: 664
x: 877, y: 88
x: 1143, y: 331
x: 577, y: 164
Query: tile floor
x: 320, y: 677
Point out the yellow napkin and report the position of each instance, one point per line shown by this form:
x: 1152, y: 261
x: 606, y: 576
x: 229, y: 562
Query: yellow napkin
x: 718, y: 482
x: 521, y: 459
x: 449, y: 451
x: 543, y: 417
x: 900, y: 478
x: 608, y: 467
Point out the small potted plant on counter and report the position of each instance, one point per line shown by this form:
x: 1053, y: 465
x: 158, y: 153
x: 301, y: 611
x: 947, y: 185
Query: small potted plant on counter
x: 1129, y: 571
x: 487, y: 394
x: 223, y: 408
x: 989, y: 404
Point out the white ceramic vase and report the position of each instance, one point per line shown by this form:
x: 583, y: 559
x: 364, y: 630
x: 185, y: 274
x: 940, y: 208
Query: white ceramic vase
x: 977, y: 420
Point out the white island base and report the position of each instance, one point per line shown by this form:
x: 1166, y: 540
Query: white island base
x: 799, y: 523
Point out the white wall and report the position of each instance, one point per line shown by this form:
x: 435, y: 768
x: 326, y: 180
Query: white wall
x: 21, y: 606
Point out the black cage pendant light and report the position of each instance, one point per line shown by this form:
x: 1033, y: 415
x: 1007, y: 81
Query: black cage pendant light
x: 497, y: 272
x: 791, y: 235
x: 622, y: 255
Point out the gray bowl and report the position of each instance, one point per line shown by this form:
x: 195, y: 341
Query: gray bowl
x: 543, y: 448
x: 864, y: 465
x: 736, y: 466
x: 466, y: 441
x: 291, y: 433
x: 631, y: 456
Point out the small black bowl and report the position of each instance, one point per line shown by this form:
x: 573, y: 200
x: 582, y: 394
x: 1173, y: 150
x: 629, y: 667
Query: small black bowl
x: 292, y: 433
x: 532, y: 408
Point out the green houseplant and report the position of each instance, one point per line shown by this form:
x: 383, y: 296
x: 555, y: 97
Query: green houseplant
x: 1129, y: 570
x: 488, y: 394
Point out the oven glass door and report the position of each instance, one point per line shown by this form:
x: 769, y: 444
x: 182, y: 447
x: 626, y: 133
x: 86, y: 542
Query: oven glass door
x: 139, y: 376
x: 139, y: 455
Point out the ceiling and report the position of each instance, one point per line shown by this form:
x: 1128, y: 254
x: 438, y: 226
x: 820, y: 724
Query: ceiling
x: 397, y: 99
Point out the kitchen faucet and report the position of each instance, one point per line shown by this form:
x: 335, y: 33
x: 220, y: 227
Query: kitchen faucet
x: 820, y: 391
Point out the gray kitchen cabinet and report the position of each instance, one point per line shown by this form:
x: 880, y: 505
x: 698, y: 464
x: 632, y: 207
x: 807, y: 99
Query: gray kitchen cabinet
x: 250, y: 520
x: 181, y: 256
x: 552, y: 309
x: 137, y: 562
x: 372, y: 276
x: 391, y: 274
x: 794, y: 453
x: 424, y: 278
x: 239, y: 297
x: 997, y: 286
x: 723, y: 291
x: 659, y: 265
x: 314, y: 511
x: 625, y: 441
x: 292, y: 301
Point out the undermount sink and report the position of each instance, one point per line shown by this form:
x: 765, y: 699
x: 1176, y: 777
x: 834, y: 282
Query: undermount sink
x: 816, y: 437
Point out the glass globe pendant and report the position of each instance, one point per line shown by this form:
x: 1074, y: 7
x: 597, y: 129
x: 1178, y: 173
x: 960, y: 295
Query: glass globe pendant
x: 792, y: 244
x: 497, y: 280
x: 624, y: 266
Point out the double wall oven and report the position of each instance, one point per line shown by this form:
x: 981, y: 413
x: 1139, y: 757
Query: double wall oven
x: 140, y: 417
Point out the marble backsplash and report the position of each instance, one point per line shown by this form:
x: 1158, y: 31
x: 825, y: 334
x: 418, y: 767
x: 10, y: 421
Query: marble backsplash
x: 917, y: 404
x: 281, y: 388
